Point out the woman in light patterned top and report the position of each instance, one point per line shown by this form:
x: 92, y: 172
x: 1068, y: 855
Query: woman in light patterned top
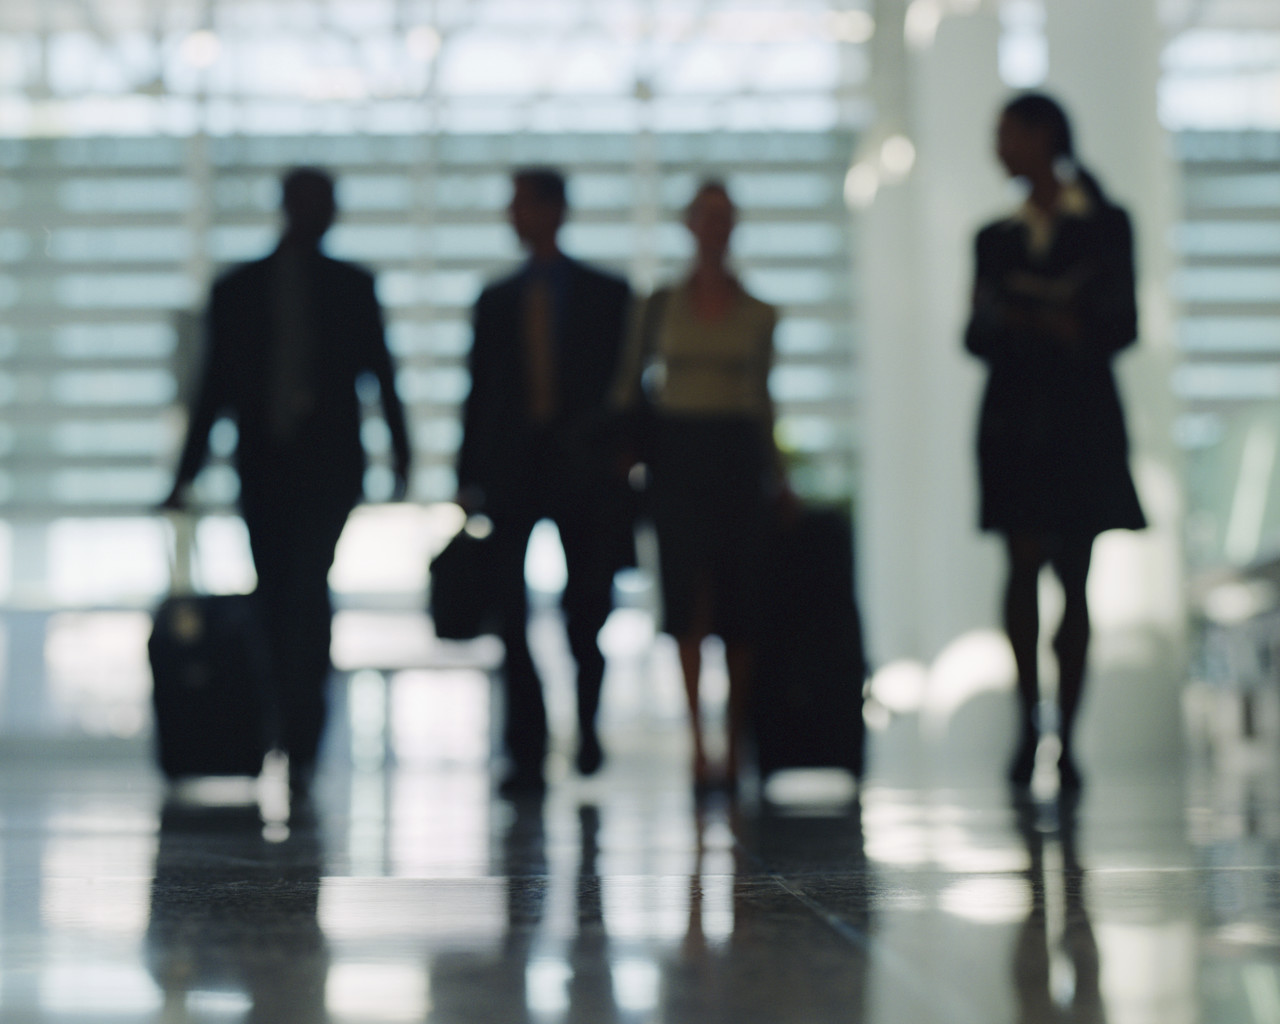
x: 699, y: 358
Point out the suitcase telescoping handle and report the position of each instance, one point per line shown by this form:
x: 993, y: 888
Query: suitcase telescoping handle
x: 181, y: 551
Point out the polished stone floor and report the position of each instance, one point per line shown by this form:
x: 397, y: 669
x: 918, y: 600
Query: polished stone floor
x: 411, y: 894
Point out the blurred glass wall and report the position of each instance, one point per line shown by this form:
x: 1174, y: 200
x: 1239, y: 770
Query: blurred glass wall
x: 140, y: 143
x: 140, y: 146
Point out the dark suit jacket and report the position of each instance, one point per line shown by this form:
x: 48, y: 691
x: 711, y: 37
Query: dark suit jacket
x: 346, y: 326
x: 1052, y: 445
x: 569, y: 464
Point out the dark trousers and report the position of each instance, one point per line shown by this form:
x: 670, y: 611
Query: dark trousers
x: 293, y: 532
x: 586, y: 603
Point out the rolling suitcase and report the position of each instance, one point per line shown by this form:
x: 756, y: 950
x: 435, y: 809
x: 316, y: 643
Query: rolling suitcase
x: 209, y: 684
x: 810, y: 664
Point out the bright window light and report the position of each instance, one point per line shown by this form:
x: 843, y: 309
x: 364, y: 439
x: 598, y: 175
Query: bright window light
x: 201, y: 49
x: 121, y: 989
x: 97, y: 673
x: 385, y: 992
x: 987, y: 900
x: 544, y: 566
x: 636, y: 985
x: 423, y: 43
x: 924, y: 17
x: 1023, y: 53
x: 852, y: 26
x: 105, y: 561
x: 546, y: 986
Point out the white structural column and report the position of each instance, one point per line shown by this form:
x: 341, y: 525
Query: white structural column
x: 928, y: 578
x: 1104, y: 63
x: 926, y: 575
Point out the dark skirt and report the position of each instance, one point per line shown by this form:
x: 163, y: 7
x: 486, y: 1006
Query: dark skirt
x: 710, y: 512
x: 1053, y: 455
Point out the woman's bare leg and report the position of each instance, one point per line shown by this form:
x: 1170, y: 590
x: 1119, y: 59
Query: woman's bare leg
x: 739, y: 660
x: 1071, y: 643
x: 690, y: 645
x: 1022, y: 624
x: 691, y: 667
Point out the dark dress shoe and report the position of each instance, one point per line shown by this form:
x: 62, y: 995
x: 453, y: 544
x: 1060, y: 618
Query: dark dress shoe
x: 522, y: 783
x: 590, y: 754
x: 1023, y: 765
x: 1070, y: 781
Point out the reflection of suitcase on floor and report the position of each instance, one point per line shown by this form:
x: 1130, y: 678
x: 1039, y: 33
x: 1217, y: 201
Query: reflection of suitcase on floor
x: 810, y: 664
x: 209, y: 678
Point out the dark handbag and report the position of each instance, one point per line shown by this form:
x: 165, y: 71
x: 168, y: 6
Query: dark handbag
x: 462, y: 590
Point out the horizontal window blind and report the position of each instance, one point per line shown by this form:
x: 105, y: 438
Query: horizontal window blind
x: 108, y: 245
x: 1228, y: 379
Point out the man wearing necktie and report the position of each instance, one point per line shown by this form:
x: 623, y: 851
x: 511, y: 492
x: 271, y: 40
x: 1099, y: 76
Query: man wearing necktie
x: 288, y: 337
x: 546, y: 346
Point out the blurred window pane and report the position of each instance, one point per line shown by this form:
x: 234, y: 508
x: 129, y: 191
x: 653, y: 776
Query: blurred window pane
x: 135, y: 178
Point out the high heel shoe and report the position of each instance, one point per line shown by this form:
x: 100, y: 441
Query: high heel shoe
x: 1070, y: 781
x: 703, y: 780
x: 1023, y: 765
x: 590, y: 755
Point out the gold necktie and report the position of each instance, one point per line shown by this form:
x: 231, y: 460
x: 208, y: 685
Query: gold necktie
x: 539, y: 356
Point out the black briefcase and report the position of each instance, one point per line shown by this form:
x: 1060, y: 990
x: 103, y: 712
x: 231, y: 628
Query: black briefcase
x: 462, y: 588
x: 209, y: 685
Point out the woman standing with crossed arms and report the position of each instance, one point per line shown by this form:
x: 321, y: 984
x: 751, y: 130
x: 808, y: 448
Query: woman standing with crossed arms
x: 1053, y: 302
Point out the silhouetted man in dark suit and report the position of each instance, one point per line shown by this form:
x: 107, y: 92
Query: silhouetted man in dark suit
x: 547, y: 342
x: 287, y: 339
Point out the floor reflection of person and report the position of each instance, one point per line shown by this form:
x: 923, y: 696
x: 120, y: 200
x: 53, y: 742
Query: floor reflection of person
x: 288, y: 338
x: 780, y: 961
x: 232, y: 911
x: 693, y: 976
x: 545, y: 352
x: 705, y: 346
x: 1053, y: 303
x: 808, y: 846
x: 591, y: 994
x: 493, y: 984
x: 1033, y: 954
